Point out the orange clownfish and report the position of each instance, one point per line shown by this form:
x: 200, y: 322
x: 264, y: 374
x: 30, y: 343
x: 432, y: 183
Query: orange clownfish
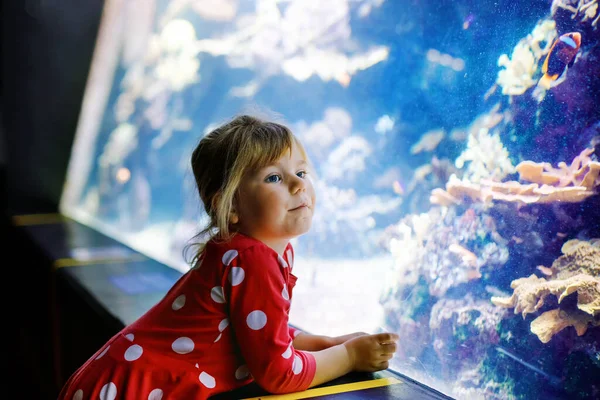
x: 561, y: 55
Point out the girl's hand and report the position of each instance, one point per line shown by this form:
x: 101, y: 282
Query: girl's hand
x: 371, y: 353
x: 343, y: 339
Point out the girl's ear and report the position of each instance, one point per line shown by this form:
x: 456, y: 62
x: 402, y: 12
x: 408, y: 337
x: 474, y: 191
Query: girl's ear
x: 215, y: 202
x: 234, y: 218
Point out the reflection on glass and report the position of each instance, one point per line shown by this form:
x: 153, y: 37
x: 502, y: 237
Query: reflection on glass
x: 457, y: 152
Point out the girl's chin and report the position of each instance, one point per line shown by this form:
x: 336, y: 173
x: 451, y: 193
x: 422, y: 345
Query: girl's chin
x: 303, y: 229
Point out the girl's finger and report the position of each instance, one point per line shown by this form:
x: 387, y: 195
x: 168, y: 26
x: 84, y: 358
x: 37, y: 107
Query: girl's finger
x: 387, y: 337
x: 388, y: 348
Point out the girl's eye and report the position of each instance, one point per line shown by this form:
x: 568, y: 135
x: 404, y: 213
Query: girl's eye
x: 273, y: 179
x: 302, y: 174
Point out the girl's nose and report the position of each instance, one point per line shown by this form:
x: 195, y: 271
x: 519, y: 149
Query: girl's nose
x: 297, y: 184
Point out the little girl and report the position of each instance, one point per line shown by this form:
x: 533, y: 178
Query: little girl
x: 224, y: 323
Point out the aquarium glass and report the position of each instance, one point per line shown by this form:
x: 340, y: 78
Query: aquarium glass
x: 455, y: 146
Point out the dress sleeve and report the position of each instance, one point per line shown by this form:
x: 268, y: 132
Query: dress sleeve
x: 258, y: 304
x: 294, y: 332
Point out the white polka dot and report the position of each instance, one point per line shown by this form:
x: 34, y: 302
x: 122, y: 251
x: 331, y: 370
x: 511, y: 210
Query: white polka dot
x: 217, y: 294
x: 297, y: 365
x: 156, y: 394
x: 178, y: 303
x: 288, y: 352
x: 223, y: 324
x: 133, y: 352
x: 236, y: 276
x: 78, y: 395
x: 183, y: 345
x: 108, y: 392
x: 282, y: 261
x: 130, y: 337
x: 242, y: 372
x: 207, y: 380
x: 103, y: 352
x: 229, y: 256
x: 284, y: 292
x: 218, y: 338
x: 256, y: 320
x: 289, y: 257
x: 197, y: 365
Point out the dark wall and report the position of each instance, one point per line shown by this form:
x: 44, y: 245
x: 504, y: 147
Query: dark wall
x: 47, y: 47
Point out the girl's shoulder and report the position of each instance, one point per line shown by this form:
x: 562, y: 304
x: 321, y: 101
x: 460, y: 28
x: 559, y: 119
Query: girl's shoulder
x: 246, y: 247
x: 238, y: 242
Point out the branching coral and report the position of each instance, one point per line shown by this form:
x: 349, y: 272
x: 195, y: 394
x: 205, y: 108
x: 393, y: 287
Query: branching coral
x: 584, y: 11
x: 485, y: 153
x: 518, y: 72
x: 576, y: 271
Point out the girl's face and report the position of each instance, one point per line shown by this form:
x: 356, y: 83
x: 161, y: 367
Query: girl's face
x: 276, y: 203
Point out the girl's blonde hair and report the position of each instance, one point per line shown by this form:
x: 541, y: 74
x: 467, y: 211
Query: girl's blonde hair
x: 223, y: 157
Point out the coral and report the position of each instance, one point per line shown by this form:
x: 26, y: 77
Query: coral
x: 429, y: 141
x: 475, y: 384
x: 578, y: 256
x: 576, y: 271
x: 177, y: 66
x: 580, y: 15
x: 512, y: 191
x: 530, y: 293
x: 582, y: 171
x: 567, y: 183
x: 454, y: 322
x: 551, y: 322
x: 121, y: 142
x: 444, y: 248
x: 518, y: 72
x: 426, y: 178
x: 307, y: 38
x: 463, y: 330
x: 485, y: 153
x: 517, y: 75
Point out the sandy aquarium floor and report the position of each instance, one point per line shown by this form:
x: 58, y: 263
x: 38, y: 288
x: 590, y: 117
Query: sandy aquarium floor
x: 335, y: 297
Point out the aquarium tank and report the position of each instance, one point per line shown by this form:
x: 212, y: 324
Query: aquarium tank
x: 456, y: 147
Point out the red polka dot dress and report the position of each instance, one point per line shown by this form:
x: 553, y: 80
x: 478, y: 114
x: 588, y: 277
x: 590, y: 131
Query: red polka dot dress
x: 221, y: 326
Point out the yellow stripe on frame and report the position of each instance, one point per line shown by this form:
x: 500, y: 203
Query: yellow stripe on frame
x: 72, y: 262
x: 347, y: 387
x: 37, y: 219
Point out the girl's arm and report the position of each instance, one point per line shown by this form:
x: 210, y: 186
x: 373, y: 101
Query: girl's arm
x: 308, y: 342
x: 331, y: 364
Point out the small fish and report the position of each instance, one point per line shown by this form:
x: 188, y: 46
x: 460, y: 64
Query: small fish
x: 560, y: 57
x: 545, y: 270
x: 398, y: 188
x: 468, y: 21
